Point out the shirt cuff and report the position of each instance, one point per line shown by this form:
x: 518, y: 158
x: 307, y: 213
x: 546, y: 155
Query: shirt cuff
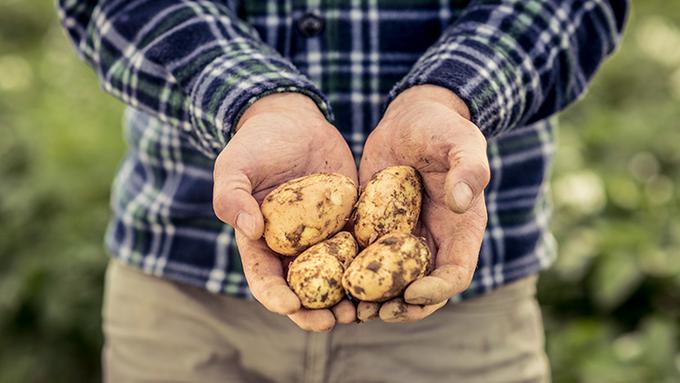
x: 232, y: 82
x: 476, y: 65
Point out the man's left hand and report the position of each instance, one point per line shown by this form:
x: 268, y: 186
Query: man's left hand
x: 428, y: 127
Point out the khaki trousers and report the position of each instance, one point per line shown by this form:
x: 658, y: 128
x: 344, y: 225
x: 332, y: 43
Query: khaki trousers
x: 160, y: 331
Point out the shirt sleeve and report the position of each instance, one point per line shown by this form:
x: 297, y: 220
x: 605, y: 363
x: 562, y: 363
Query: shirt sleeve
x: 518, y: 61
x: 192, y: 64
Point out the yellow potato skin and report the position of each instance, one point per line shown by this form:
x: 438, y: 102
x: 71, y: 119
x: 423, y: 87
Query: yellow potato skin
x: 343, y: 246
x: 306, y: 211
x: 389, y: 203
x: 316, y: 274
x: 385, y: 268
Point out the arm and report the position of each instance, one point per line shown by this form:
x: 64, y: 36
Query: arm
x: 503, y: 64
x: 192, y: 64
x: 518, y: 61
x: 195, y: 65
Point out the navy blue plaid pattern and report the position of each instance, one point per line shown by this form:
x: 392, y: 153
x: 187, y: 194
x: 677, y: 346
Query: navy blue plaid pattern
x: 188, y: 69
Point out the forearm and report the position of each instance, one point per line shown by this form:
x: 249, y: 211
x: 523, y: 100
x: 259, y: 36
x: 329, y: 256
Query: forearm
x: 192, y: 64
x: 517, y: 61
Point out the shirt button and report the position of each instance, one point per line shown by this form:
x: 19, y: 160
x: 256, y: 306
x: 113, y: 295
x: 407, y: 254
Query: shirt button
x: 310, y: 25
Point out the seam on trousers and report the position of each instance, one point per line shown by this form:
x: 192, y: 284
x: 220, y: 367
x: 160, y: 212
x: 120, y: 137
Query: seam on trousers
x: 317, y: 348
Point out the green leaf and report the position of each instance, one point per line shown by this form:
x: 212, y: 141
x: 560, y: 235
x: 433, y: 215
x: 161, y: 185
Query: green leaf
x: 616, y: 277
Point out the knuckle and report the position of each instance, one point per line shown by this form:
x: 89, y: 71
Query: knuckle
x: 466, y: 280
x: 461, y: 280
x: 472, y: 167
x: 467, y: 276
x: 459, y: 277
x: 221, y: 207
x: 480, y: 174
x: 485, y: 171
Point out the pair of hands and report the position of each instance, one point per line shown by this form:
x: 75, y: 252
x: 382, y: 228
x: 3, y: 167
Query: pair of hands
x: 285, y: 136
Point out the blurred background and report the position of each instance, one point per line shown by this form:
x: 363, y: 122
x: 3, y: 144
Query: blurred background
x: 611, y: 303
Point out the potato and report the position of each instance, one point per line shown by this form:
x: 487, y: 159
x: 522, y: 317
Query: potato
x: 384, y: 269
x: 316, y: 274
x: 343, y: 246
x: 305, y: 211
x: 389, y: 203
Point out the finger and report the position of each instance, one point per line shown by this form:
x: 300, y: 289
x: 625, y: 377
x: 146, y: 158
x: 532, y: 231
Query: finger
x: 234, y: 203
x: 367, y: 311
x: 457, y: 253
x: 468, y: 172
x: 398, y: 311
x: 345, y: 312
x: 264, y: 272
x: 313, y: 320
x: 443, y: 283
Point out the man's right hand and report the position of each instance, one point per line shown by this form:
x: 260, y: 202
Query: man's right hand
x: 280, y: 137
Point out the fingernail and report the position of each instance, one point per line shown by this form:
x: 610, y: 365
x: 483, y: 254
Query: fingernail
x: 246, y: 224
x: 462, y: 195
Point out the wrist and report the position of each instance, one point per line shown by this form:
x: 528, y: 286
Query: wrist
x: 431, y: 93
x: 287, y: 103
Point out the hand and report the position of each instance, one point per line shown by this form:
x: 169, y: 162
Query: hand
x: 278, y: 138
x: 428, y: 127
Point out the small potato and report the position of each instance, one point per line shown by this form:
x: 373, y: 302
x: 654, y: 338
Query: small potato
x: 343, y: 246
x: 305, y: 211
x: 389, y: 203
x: 384, y: 269
x: 316, y: 274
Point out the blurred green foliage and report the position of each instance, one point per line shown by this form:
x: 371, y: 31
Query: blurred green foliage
x: 60, y: 141
x: 611, y: 303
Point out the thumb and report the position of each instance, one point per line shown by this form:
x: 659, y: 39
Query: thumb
x: 468, y: 170
x: 234, y: 203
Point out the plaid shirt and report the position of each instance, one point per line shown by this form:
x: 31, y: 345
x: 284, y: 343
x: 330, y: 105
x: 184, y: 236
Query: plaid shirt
x: 187, y: 69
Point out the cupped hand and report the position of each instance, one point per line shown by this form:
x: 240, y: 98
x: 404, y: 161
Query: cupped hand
x: 429, y: 128
x: 278, y: 138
